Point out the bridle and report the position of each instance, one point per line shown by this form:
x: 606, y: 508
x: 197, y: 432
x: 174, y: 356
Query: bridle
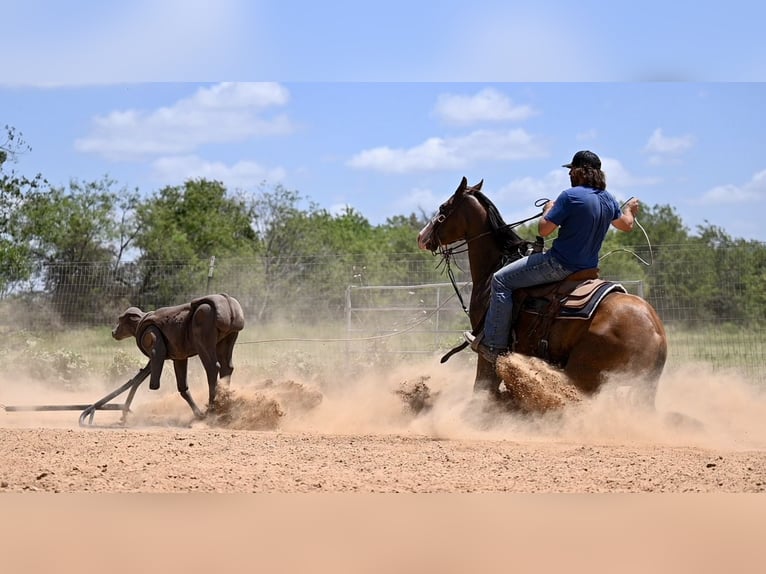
x: 447, y: 253
x: 461, y: 246
x: 442, y: 216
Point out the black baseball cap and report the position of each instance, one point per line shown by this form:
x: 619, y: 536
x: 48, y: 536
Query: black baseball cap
x: 584, y: 158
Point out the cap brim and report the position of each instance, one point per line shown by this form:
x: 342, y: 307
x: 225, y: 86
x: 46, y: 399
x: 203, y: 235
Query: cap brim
x: 569, y: 165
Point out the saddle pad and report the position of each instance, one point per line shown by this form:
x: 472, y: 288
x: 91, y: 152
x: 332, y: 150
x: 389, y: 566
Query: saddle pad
x: 584, y: 312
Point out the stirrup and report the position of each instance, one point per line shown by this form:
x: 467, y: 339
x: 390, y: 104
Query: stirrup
x: 474, y: 340
x: 488, y: 353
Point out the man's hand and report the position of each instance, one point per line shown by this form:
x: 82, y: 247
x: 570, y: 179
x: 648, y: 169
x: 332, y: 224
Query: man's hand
x: 626, y: 220
x: 632, y: 205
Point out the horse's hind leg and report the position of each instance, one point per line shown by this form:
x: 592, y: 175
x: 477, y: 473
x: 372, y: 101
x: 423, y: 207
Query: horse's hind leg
x: 589, y: 372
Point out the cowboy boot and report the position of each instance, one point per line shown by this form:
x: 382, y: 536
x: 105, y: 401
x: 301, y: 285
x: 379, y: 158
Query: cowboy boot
x: 490, y: 354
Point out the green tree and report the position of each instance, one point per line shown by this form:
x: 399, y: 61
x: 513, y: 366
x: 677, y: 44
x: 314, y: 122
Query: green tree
x: 15, y: 261
x: 397, y: 237
x: 78, y: 224
x: 75, y: 236
x: 179, y: 229
x: 399, y: 233
x: 310, y: 250
x: 728, y: 278
x: 197, y: 220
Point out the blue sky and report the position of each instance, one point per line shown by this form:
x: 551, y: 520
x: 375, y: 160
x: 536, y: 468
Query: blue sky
x: 385, y: 106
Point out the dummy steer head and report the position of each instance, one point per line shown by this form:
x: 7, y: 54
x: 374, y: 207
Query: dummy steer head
x: 127, y: 323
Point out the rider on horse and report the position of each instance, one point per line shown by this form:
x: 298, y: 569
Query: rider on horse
x: 583, y: 214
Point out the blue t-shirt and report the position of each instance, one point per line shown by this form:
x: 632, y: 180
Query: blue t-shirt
x: 583, y: 216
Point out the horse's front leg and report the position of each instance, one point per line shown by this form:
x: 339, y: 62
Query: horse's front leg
x: 487, y: 379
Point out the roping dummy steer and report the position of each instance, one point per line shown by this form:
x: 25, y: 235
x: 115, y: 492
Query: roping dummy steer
x: 208, y: 327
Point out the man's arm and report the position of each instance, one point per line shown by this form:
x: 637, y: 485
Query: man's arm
x: 627, y: 219
x: 545, y: 227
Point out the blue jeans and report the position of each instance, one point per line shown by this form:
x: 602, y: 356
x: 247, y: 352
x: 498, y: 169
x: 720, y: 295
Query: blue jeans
x: 535, y: 269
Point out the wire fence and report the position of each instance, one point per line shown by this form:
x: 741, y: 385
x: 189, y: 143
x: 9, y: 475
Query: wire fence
x: 362, y: 309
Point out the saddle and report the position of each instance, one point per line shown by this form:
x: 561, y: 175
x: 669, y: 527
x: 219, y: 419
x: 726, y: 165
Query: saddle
x: 575, y: 297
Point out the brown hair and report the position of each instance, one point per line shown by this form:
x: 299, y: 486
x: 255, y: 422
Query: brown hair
x: 587, y: 176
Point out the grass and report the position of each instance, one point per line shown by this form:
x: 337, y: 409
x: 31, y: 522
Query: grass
x: 724, y: 346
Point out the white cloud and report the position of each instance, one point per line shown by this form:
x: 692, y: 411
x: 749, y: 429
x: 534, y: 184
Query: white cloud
x: 665, y: 149
x: 240, y: 175
x: 223, y: 113
x: 486, y: 105
x: 451, y: 153
x: 618, y: 176
x: 753, y: 190
x: 526, y: 190
x: 226, y: 95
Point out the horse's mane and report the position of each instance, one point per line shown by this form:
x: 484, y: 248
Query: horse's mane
x: 505, y: 237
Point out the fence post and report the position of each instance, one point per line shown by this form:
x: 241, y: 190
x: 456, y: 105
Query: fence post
x: 438, y: 310
x: 348, y: 324
x: 210, y: 273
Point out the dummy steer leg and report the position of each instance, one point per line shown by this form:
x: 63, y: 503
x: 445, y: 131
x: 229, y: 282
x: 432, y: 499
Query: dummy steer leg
x: 225, y: 350
x: 153, y: 339
x: 181, y: 367
x: 205, y: 337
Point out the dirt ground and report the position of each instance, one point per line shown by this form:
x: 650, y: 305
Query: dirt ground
x: 418, y: 430
x: 402, y: 472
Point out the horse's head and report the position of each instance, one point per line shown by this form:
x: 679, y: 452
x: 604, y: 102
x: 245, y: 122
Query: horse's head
x: 454, y: 221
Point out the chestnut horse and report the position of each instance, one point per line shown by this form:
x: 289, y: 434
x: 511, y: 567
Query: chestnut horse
x: 624, y: 335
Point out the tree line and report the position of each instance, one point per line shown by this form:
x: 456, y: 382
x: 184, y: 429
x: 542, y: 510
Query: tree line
x: 157, y: 246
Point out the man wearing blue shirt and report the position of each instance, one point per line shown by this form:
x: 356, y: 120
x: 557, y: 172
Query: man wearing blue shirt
x: 582, y: 214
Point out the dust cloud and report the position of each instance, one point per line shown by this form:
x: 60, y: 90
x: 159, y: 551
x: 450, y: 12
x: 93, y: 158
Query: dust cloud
x: 696, y: 406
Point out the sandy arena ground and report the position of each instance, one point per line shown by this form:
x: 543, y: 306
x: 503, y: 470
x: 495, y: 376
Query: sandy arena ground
x: 407, y: 472
x: 419, y: 430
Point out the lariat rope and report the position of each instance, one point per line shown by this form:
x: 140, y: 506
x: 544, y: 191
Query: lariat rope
x: 633, y: 253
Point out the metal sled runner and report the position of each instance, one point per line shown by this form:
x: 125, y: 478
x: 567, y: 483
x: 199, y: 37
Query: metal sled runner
x: 89, y: 411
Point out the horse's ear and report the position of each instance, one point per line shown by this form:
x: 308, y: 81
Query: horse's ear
x: 477, y: 187
x: 462, y: 187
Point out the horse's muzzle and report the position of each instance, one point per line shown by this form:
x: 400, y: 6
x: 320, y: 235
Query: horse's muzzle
x: 426, y: 238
